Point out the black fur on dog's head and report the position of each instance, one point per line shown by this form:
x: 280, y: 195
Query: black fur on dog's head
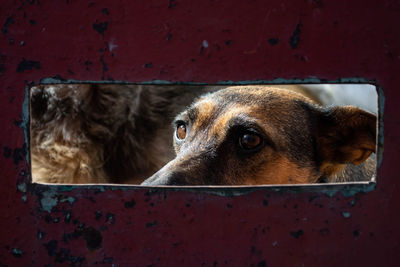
x: 250, y: 135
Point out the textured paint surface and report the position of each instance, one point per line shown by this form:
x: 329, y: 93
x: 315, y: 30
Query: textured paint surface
x: 199, y: 42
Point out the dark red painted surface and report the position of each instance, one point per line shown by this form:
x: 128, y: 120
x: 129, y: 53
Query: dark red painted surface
x: 140, y: 41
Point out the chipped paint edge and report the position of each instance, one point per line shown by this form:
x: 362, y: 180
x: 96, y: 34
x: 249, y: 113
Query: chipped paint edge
x: 25, y: 124
x: 346, y: 189
x: 310, y: 80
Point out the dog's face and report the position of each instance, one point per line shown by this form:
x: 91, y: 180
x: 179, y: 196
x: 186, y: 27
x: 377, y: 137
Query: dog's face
x: 248, y: 136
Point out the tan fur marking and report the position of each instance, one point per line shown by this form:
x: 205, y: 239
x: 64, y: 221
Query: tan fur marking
x: 329, y: 169
x: 206, y: 109
x: 219, y: 127
x: 282, y: 171
x: 288, y: 91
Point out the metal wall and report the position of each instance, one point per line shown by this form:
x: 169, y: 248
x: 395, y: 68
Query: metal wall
x: 196, y: 42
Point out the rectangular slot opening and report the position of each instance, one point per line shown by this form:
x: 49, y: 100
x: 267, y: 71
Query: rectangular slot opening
x: 203, y: 135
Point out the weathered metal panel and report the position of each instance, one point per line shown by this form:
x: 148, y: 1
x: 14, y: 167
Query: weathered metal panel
x: 203, y: 41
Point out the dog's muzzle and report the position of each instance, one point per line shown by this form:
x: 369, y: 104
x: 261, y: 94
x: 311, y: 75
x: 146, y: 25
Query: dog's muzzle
x: 166, y: 176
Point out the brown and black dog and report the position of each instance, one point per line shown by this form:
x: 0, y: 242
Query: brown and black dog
x: 264, y: 135
x: 103, y: 133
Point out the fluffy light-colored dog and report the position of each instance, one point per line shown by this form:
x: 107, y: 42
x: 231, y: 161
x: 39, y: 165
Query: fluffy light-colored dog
x: 103, y: 133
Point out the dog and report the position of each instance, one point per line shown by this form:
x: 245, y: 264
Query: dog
x: 103, y: 133
x: 253, y: 135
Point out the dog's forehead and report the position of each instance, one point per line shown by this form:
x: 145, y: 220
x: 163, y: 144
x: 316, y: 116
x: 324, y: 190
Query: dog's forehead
x: 234, y: 101
x: 218, y: 117
x: 263, y: 93
x: 266, y: 105
x: 204, y: 107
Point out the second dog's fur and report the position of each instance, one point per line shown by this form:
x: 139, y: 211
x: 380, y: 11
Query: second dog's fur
x: 103, y: 133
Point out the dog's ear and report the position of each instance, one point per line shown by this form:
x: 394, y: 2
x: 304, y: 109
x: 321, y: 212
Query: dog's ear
x: 346, y: 135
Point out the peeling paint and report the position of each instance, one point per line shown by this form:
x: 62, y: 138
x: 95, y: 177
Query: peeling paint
x: 69, y: 199
x: 17, y: 253
x: 48, y: 200
x: 273, y: 41
x: 28, y: 64
x: 294, y: 39
x: 24, y: 125
x: 9, y: 21
x: 130, y: 204
x: 93, y: 238
x: 100, y: 27
x: 308, y: 80
x: 346, y: 189
x: 67, y: 217
x: 22, y: 187
x: 151, y: 224
x: 381, y: 108
x: 112, y: 45
x: 19, y: 154
x: 7, y: 152
x: 62, y: 255
x: 346, y: 214
x: 40, y: 234
x: 297, y: 234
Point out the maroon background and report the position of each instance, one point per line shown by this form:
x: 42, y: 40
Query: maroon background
x: 139, y: 41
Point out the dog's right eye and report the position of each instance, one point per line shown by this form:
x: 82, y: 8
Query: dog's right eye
x: 250, y: 141
x: 181, y: 131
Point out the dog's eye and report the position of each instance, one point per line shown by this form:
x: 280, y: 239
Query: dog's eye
x: 250, y: 141
x: 181, y: 131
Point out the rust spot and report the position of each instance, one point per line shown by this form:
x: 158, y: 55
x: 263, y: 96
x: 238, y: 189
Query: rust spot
x: 148, y: 65
x: 51, y: 247
x: 98, y: 215
x: 92, y: 237
x: 294, y: 39
x: 9, y: 21
x: 151, y: 224
x: 130, y: 204
x: 273, y: 41
x: 17, y: 253
x: 28, y: 65
x: 171, y: 4
x: 297, y: 234
x: 105, y: 11
x: 324, y: 231
x: 110, y: 218
x: 100, y: 27
x: 7, y: 152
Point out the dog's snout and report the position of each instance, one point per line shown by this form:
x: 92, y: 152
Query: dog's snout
x: 165, y: 178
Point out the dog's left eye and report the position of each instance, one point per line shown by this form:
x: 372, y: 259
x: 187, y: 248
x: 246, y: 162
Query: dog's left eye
x: 181, y: 131
x: 250, y: 141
